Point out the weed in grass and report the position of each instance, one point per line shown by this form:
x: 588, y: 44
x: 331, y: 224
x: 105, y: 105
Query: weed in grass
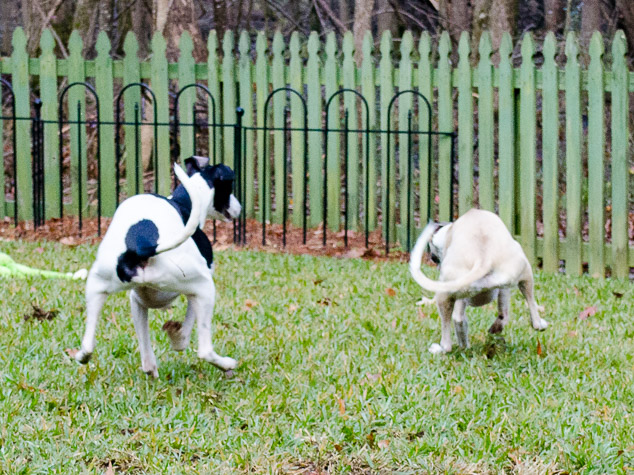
x: 334, y: 377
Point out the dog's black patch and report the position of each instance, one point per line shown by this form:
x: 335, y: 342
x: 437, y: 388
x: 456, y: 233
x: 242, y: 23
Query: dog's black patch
x: 221, y: 178
x: 141, y: 241
x: 204, y: 246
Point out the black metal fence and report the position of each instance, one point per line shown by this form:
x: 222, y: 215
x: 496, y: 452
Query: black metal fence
x: 211, y: 128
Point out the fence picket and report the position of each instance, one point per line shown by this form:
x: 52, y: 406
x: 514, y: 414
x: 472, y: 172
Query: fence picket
x: 213, y: 84
x: 261, y: 93
x: 104, y: 88
x: 278, y: 79
x: 405, y: 116
x: 333, y: 167
x: 425, y: 81
x: 596, y: 153
x: 229, y: 100
x: 48, y: 94
x: 187, y: 101
x: 132, y: 108
x: 246, y: 102
x: 314, y: 103
x: 620, y: 142
x: 297, y: 137
x: 550, y: 154
x: 465, y: 127
x: 486, y: 183
x: 527, y: 148
x: 160, y: 86
x: 351, y: 105
x: 506, y: 134
x: 77, y: 95
x: 445, y: 124
x: 386, y: 78
x: 368, y: 89
x: 573, y: 157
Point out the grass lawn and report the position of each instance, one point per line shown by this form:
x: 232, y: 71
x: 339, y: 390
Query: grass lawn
x: 334, y: 377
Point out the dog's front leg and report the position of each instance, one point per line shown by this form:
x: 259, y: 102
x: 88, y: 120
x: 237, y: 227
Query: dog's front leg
x: 445, y: 308
x: 95, y: 299
x: 203, y: 306
x: 140, y: 320
x: 504, y: 305
x: 460, y: 323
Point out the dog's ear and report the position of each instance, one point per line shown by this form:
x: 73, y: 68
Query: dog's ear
x: 195, y: 163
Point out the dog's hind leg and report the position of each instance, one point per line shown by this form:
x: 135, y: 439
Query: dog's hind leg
x: 504, y: 304
x: 203, y: 307
x: 461, y: 326
x: 95, y: 299
x: 527, y: 289
x: 180, y: 333
x: 140, y: 320
x: 445, y: 308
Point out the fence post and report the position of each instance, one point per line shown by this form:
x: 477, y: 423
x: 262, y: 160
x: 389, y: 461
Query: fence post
x: 239, y: 227
x: 37, y: 167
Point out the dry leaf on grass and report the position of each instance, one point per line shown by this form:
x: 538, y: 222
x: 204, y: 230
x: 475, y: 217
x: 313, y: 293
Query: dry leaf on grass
x: 587, y: 312
x: 71, y: 352
x: 390, y: 292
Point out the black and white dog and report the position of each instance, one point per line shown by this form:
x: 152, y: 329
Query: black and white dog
x: 155, y: 247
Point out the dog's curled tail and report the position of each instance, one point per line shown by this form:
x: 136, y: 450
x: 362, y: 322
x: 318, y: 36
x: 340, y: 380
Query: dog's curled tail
x: 478, y: 271
x: 194, y: 217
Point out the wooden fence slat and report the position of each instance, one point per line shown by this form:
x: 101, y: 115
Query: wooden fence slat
x: 213, y: 84
x: 620, y: 142
x: 386, y: 78
x: 246, y: 102
x: 486, y: 183
x: 20, y: 83
x: 527, y: 148
x: 596, y: 152
x: 131, y: 102
x: 405, y: 111
x: 261, y: 93
x: 278, y: 80
x: 77, y: 94
x: 465, y: 127
x: 550, y: 154
x: 48, y: 94
x: 160, y: 87
x: 573, y: 157
x: 314, y: 103
x: 104, y: 88
x: 425, y: 81
x: 187, y: 101
x: 297, y: 137
x: 350, y: 101
x: 229, y: 100
x: 368, y: 89
x: 506, y: 134
x: 333, y: 167
x: 445, y: 124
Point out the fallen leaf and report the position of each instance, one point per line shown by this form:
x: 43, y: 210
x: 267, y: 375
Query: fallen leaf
x: 587, y: 312
x: 71, y: 352
x: 417, y: 435
x: 68, y: 241
x: 338, y: 447
x: 572, y: 333
x: 618, y: 295
x: 390, y: 292
x: 394, y: 324
x: 540, y: 352
x: 39, y: 250
x: 318, y: 281
x: 354, y: 253
x: 342, y: 406
x: 370, y: 438
x: 292, y: 308
x: 457, y: 389
x: 39, y: 314
x: 383, y: 444
x: 257, y: 274
x: 249, y: 304
x: 109, y: 470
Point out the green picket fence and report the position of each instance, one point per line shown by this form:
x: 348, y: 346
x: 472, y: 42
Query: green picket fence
x: 509, y: 121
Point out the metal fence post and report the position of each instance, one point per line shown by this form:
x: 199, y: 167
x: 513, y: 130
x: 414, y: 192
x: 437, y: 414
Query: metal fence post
x: 239, y: 225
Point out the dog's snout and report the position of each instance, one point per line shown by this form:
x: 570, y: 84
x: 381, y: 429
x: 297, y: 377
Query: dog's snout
x: 234, y: 208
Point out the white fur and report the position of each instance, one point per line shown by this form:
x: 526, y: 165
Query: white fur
x: 178, y: 268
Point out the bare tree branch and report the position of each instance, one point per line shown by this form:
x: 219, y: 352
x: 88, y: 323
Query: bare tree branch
x: 331, y: 16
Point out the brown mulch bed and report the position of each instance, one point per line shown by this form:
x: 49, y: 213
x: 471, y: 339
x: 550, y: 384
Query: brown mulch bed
x: 66, y: 230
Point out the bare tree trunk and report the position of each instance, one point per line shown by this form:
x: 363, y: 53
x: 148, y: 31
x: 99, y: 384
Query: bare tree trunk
x: 457, y: 17
x: 10, y: 11
x: 592, y: 19
x: 387, y: 19
x: 344, y: 12
x: 220, y: 17
x: 171, y: 18
x: 362, y: 23
x: 554, y: 15
x: 626, y: 12
x: 497, y: 16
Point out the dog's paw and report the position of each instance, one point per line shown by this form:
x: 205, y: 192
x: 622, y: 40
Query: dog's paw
x: 82, y: 356
x: 436, y: 349
x: 178, y: 341
x: 151, y: 372
x: 224, y: 363
x: 81, y: 274
x: 540, y: 325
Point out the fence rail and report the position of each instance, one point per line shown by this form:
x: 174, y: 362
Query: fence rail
x: 569, y: 202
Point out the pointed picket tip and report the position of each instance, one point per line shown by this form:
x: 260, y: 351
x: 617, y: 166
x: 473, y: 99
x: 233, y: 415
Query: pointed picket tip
x: 596, y: 46
x: 313, y: 43
x: 294, y: 44
x: 76, y: 44
x: 18, y: 41
x: 485, y: 47
x: 278, y: 42
x: 368, y: 46
x: 619, y: 45
x: 103, y: 45
x: 331, y: 44
x: 424, y: 46
x: 407, y: 43
x: 347, y: 45
x: 185, y: 43
x: 386, y: 43
x: 227, y: 44
x: 244, y: 44
x: 444, y: 45
x: 550, y: 47
x: 212, y: 43
x: 528, y: 48
x: 130, y: 45
x: 506, y: 45
x: 260, y: 46
x: 159, y: 45
x: 572, y: 48
x: 47, y: 42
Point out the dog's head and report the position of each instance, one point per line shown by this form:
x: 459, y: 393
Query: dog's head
x: 438, y: 241
x: 220, y: 178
